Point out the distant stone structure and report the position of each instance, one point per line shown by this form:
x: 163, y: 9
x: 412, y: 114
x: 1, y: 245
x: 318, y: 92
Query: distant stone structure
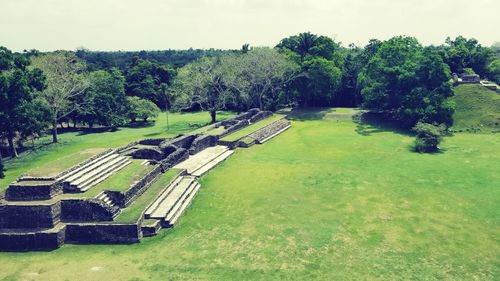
x: 43, y: 213
x: 466, y: 79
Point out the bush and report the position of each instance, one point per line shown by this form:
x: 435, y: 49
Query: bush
x: 428, y: 137
x: 142, y: 109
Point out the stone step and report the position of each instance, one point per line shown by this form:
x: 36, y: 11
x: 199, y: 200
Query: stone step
x: 77, y: 170
x: 97, y: 180
x: 161, y: 197
x: 98, y: 170
x: 150, y: 227
x: 275, y: 134
x: 89, y: 167
x: 181, y: 206
x: 173, y: 198
x: 194, y: 162
x: 102, y: 172
x: 105, y: 198
x: 210, y: 165
x: 172, y: 220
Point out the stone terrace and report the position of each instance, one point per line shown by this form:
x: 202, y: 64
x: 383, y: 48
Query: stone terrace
x: 120, y: 195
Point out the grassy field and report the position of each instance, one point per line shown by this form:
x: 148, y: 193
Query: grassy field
x: 326, y: 200
x: 123, y: 179
x: 75, y: 142
x: 477, y: 109
x: 252, y: 128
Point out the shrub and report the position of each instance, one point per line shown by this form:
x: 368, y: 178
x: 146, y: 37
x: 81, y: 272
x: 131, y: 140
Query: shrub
x: 428, y: 137
x: 142, y: 109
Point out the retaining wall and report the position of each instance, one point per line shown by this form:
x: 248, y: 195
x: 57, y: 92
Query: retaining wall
x: 30, y: 216
x: 78, y: 210
x: 23, y: 191
x: 202, y: 142
x: 32, y: 241
x: 86, y: 233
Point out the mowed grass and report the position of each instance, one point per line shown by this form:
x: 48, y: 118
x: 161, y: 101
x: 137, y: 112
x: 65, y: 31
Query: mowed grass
x: 126, y: 177
x: 325, y: 200
x: 76, y: 142
x: 252, y: 128
x: 477, y: 109
x: 132, y: 213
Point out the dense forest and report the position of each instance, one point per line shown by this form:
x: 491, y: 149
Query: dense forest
x: 400, y: 78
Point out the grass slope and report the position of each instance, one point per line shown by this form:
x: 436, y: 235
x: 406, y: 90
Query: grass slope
x: 477, y: 109
x: 75, y: 142
x: 326, y: 200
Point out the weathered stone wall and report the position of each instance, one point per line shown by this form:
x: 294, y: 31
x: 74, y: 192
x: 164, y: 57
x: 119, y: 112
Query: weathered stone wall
x: 202, y: 142
x: 30, y: 216
x: 148, y: 153
x: 270, y: 130
x: 259, y: 116
x: 24, y: 191
x: 103, y: 233
x: 126, y: 198
x: 83, y: 210
x: 156, y: 142
x: 125, y: 147
x: 32, y: 241
x: 239, y: 125
x: 176, y: 157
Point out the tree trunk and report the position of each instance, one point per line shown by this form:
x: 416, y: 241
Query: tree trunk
x: 261, y: 104
x: 13, y: 149
x: 54, y: 131
x: 213, y: 116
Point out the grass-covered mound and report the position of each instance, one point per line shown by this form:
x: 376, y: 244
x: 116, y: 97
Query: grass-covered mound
x: 477, y: 109
x: 325, y: 200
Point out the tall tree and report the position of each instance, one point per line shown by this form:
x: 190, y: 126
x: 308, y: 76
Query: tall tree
x: 461, y: 53
x: 262, y: 74
x: 320, y: 64
x: 203, y: 82
x: 145, y: 79
x: 18, y: 88
x: 66, y: 79
x: 409, y: 82
x: 109, y: 102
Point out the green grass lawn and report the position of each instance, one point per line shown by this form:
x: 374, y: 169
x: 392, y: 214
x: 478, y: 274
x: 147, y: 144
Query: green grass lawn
x: 325, y: 200
x: 477, y: 109
x: 252, y: 128
x: 126, y: 177
x: 76, y: 142
x: 133, y: 212
x: 53, y: 168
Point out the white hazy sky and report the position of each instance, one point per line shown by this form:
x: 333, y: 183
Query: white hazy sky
x: 180, y: 24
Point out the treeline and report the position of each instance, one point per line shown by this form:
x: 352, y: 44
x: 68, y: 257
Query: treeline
x: 399, y: 77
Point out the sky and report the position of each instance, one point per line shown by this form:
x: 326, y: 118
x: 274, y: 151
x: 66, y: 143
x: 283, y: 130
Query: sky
x: 227, y: 24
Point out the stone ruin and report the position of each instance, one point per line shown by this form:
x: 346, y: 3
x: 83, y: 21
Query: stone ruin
x: 43, y: 213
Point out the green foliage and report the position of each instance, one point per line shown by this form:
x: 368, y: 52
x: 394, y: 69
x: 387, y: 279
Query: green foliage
x: 141, y: 109
x: 428, y: 137
x: 19, y: 108
x: 147, y: 79
x: 462, y: 53
x: 494, y: 69
x: 66, y: 80
x: 409, y: 82
x: 109, y: 102
x: 320, y: 62
x: 468, y: 71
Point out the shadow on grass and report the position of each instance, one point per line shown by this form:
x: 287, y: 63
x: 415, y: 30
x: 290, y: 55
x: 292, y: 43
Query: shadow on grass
x: 308, y: 114
x: 369, y: 123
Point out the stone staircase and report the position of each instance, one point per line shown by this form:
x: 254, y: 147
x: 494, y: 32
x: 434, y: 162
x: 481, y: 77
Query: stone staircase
x: 106, y: 199
x: 90, y: 174
x: 202, y: 162
x: 173, y: 201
